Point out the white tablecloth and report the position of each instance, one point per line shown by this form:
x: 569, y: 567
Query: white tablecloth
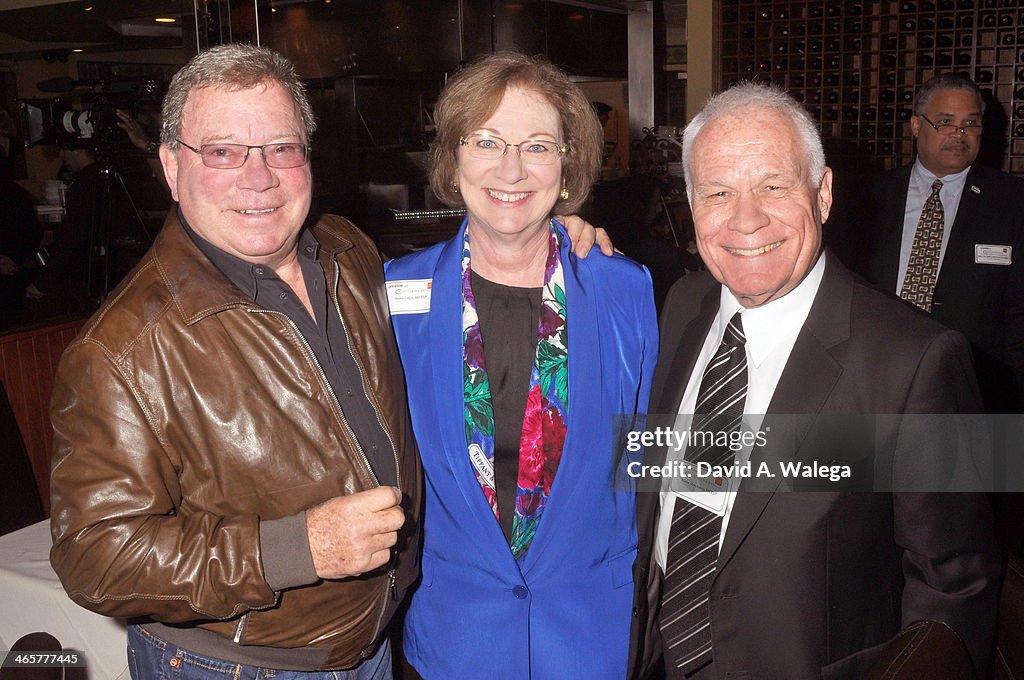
x: 34, y: 601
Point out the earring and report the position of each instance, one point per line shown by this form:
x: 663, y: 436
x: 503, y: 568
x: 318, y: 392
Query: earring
x: 455, y: 187
x: 564, y: 193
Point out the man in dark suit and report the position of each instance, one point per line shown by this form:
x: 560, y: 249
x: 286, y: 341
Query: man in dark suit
x: 979, y: 284
x: 767, y: 582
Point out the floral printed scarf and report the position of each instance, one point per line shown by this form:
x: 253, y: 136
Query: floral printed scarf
x: 544, y: 423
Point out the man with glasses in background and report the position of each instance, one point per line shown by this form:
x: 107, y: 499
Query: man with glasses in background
x: 947, y: 235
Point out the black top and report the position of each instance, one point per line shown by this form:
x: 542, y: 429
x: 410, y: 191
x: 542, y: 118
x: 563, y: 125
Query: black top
x: 325, y: 335
x: 509, y: 317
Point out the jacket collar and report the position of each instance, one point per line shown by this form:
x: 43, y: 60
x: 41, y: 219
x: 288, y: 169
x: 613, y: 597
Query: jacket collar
x: 197, y: 287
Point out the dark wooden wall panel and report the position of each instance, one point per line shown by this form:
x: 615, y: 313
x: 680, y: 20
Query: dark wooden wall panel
x: 28, y: 362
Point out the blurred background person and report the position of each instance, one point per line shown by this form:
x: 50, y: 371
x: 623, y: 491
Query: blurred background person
x: 20, y: 236
x: 65, y: 280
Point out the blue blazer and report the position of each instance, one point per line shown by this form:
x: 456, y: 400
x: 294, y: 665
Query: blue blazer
x: 566, y: 611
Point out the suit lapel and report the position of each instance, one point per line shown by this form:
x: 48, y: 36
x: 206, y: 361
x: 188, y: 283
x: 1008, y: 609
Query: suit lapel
x: 668, y: 388
x: 807, y: 381
x: 960, y: 247
x: 682, y: 335
x: 891, y: 239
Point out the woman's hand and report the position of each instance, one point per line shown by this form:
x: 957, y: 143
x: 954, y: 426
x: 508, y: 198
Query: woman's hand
x: 583, y: 235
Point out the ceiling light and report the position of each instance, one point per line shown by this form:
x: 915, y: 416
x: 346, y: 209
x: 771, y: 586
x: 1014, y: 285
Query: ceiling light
x: 165, y: 20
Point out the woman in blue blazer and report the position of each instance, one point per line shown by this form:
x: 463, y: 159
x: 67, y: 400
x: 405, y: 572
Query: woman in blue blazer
x: 525, y: 366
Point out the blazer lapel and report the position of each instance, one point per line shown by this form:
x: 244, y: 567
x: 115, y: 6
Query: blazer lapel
x: 807, y: 381
x: 585, y: 373
x: 447, y: 365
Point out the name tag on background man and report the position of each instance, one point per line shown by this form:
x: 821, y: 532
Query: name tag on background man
x: 990, y: 254
x: 409, y: 296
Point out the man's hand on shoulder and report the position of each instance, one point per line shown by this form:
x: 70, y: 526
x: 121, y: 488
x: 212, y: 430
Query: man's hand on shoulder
x: 351, y: 535
x: 584, y: 235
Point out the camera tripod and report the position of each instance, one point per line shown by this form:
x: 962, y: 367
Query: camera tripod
x: 116, y: 231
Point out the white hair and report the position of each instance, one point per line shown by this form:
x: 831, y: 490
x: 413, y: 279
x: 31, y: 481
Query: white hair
x: 746, y: 97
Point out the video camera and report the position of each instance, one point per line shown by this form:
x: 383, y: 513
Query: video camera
x: 93, y: 124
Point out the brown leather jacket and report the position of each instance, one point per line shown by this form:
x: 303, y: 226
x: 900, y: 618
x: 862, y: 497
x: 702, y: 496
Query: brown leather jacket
x: 184, y: 413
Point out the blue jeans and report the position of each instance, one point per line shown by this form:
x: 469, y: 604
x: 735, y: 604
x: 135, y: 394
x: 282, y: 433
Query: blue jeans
x: 152, y: 658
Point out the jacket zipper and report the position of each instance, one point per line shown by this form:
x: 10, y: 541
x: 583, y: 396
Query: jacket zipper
x: 362, y: 375
x: 391, y: 585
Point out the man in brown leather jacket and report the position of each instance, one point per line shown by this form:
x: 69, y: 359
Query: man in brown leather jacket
x: 233, y: 465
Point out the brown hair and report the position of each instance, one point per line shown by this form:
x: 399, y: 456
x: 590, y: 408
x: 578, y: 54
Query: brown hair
x: 235, y: 66
x: 475, y: 92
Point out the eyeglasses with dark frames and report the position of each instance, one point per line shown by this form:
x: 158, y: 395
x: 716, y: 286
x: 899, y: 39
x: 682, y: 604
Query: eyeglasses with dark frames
x: 946, y: 129
x: 223, y: 156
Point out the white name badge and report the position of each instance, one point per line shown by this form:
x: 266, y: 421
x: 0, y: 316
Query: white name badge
x: 990, y: 254
x: 483, y: 467
x: 409, y: 296
x: 710, y: 494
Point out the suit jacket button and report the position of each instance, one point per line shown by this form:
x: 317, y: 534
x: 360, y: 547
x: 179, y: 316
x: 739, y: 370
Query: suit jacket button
x: 520, y: 592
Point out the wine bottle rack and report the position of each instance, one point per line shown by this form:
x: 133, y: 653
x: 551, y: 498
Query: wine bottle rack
x: 856, y: 64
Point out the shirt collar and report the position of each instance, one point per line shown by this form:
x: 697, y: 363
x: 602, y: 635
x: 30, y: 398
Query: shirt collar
x: 777, y: 322
x: 923, y: 177
x: 240, y: 272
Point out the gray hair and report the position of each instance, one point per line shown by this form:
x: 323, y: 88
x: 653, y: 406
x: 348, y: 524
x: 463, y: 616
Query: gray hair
x: 945, y: 81
x: 743, y: 98
x: 231, y: 67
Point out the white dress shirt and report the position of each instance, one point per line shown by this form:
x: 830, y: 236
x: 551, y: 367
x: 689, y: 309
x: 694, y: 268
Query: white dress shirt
x: 771, y: 331
x: 920, y: 189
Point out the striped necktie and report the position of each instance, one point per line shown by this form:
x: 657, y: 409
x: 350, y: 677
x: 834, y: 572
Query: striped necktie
x: 923, y: 267
x: 694, y: 535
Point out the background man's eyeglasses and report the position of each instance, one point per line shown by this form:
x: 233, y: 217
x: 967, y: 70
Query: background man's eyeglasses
x: 946, y: 129
x: 534, y: 151
x: 230, y: 156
